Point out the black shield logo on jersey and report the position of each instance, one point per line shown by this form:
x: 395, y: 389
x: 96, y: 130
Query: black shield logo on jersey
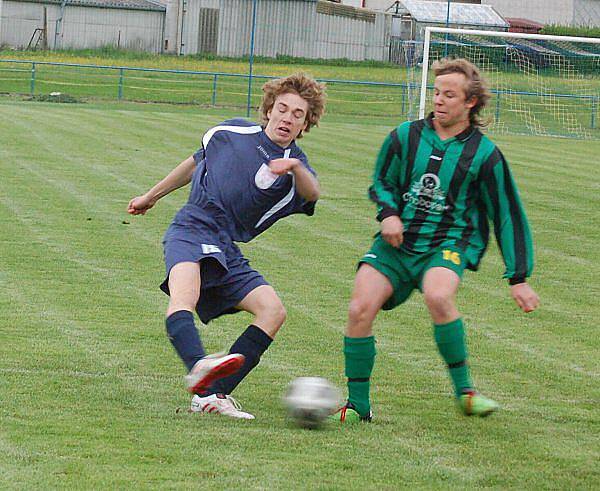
x: 430, y: 181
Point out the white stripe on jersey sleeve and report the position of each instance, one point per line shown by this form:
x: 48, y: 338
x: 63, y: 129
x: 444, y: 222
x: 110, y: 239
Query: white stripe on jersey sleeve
x: 286, y: 199
x: 242, y: 130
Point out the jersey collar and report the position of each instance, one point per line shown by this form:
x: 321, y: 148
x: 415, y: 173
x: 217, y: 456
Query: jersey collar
x: 267, y: 142
x: 462, y: 137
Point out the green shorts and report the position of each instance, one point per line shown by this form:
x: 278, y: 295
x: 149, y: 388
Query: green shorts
x: 405, y: 270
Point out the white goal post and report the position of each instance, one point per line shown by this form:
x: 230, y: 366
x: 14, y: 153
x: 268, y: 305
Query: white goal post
x: 550, y: 64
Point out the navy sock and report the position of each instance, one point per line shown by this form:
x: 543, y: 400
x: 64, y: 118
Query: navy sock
x: 184, y: 337
x: 252, y: 344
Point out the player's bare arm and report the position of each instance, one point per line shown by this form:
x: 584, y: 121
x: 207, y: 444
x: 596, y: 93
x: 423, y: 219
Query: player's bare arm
x: 178, y: 177
x: 306, y: 184
x: 525, y: 296
x: 392, y: 230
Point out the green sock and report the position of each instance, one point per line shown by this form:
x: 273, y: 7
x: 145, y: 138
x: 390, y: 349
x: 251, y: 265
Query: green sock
x: 450, y: 340
x: 360, y: 357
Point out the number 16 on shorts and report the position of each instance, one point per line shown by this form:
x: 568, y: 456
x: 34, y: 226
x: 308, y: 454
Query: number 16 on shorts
x: 451, y: 256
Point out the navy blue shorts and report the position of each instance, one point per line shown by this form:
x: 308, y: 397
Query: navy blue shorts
x: 226, y: 275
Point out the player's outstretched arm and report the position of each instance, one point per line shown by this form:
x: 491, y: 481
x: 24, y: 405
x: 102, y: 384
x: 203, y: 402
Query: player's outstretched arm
x: 306, y: 184
x: 178, y: 177
x: 525, y: 297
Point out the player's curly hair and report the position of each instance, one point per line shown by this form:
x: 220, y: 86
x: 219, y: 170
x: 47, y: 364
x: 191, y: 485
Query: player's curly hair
x: 305, y: 86
x: 476, y: 84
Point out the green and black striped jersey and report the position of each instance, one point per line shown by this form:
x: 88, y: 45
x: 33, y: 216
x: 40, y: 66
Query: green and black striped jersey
x: 445, y: 190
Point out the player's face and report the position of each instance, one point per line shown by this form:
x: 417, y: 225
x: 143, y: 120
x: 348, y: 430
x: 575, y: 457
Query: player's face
x: 450, y: 106
x: 287, y: 118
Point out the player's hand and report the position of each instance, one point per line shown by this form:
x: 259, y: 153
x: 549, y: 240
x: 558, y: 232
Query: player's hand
x: 392, y: 230
x: 525, y: 297
x: 283, y: 166
x: 140, y: 205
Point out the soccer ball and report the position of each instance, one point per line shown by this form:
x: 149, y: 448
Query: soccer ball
x: 309, y: 400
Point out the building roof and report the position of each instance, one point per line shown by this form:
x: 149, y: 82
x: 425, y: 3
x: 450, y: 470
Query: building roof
x: 520, y: 22
x: 112, y: 4
x: 464, y: 14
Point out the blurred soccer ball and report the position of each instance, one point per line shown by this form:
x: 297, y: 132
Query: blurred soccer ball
x: 309, y: 400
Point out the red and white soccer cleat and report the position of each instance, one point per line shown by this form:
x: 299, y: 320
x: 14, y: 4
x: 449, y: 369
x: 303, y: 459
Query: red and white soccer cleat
x: 219, y: 404
x: 210, y: 368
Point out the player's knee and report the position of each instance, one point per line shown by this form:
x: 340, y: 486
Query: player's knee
x: 360, y: 311
x: 439, y: 302
x: 278, y: 313
x: 273, y: 313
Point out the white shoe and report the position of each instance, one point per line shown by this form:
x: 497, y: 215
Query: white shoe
x: 211, y: 368
x: 219, y: 404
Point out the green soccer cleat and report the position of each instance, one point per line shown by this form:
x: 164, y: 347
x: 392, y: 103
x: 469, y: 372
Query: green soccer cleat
x: 472, y: 403
x: 349, y: 414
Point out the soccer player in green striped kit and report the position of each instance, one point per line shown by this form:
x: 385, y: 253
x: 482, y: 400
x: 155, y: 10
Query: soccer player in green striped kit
x: 438, y: 183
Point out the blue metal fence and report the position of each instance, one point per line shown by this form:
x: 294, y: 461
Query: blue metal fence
x: 401, y: 95
x: 224, y: 88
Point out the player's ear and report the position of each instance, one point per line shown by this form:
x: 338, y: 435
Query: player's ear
x: 470, y: 103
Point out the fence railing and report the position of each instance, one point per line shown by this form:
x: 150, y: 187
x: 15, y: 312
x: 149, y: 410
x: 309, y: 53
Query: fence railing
x: 346, y: 97
x: 186, y: 86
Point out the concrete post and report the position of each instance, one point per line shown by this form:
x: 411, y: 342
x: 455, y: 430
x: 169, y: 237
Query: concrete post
x: 172, y: 26
x: 1, y: 40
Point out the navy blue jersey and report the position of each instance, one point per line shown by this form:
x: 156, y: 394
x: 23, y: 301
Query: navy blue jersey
x: 233, y: 180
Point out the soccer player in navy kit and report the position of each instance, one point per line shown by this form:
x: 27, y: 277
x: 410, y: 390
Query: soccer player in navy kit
x: 244, y: 178
x: 437, y: 182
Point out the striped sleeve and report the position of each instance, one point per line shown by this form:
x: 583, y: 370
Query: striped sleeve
x: 386, y: 182
x: 503, y: 206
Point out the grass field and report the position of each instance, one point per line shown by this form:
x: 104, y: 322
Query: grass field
x: 89, y: 384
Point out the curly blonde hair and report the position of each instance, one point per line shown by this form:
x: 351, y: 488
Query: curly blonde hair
x: 476, y: 84
x: 301, y: 84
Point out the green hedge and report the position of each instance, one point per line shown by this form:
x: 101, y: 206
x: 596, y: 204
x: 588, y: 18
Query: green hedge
x: 590, y: 32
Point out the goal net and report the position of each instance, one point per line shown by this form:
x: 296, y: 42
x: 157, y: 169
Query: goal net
x: 540, y: 84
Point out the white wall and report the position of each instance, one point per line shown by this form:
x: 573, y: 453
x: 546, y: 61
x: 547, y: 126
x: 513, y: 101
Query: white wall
x: 380, y: 5
x: 543, y: 11
x: 82, y: 27
x: 563, y: 12
x: 377, y: 4
x: 292, y: 28
x: 587, y: 13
